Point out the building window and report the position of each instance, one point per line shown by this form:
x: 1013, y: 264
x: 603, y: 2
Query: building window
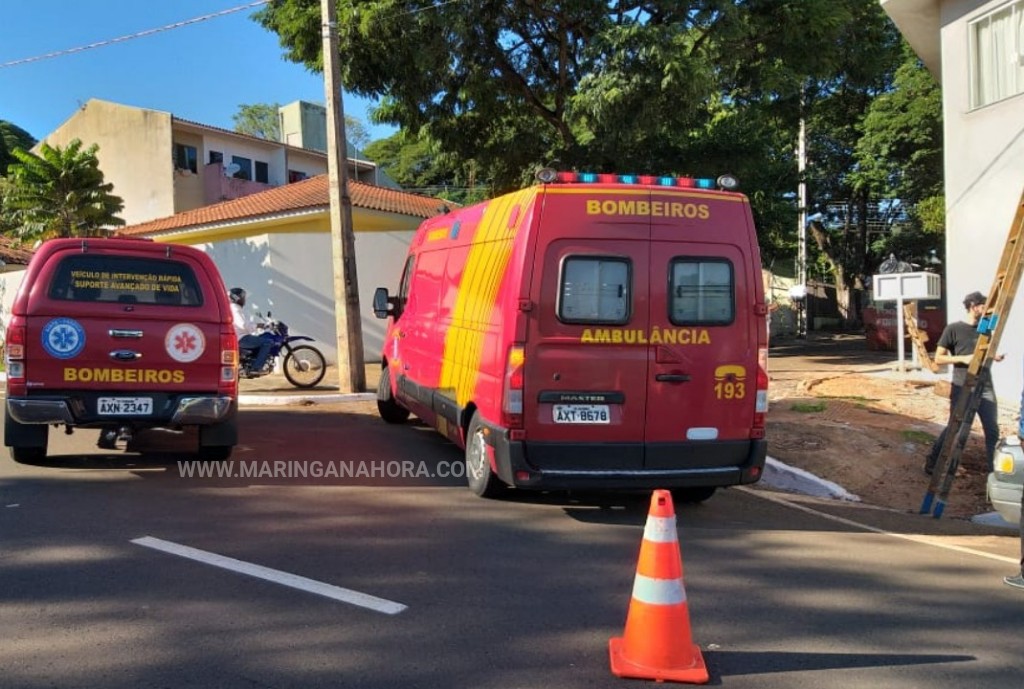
x: 185, y: 158
x: 262, y: 172
x: 997, y: 55
x: 296, y: 176
x: 244, y: 170
x: 701, y: 292
x: 594, y: 290
x: 216, y: 157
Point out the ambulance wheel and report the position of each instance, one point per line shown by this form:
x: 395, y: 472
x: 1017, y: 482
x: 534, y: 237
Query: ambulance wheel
x: 692, y: 496
x: 387, y: 407
x: 482, y: 480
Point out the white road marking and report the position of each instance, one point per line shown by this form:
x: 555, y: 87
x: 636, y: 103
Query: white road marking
x: 277, y: 576
x: 925, y: 540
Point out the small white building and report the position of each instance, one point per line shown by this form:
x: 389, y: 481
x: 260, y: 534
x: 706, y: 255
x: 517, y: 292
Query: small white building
x: 277, y: 246
x: 260, y: 208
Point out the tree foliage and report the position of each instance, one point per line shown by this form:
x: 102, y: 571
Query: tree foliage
x: 876, y: 172
x: 695, y: 87
x: 417, y: 165
x: 259, y: 120
x: 60, y: 193
x: 11, y: 137
x: 618, y: 85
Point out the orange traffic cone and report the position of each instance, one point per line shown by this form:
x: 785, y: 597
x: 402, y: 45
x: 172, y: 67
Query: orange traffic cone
x: 657, y: 643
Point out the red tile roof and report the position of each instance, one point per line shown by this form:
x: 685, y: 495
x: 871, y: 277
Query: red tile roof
x: 309, y: 194
x: 13, y: 252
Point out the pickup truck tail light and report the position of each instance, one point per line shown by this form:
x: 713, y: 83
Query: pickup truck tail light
x: 228, y: 384
x: 14, y: 359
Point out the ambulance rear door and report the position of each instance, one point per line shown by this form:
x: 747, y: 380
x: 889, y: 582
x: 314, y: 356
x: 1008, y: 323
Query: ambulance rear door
x: 584, y: 393
x: 702, y: 355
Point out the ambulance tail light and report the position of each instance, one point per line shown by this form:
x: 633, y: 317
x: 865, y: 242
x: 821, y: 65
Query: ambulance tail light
x: 761, y: 400
x: 512, y: 390
x: 228, y: 384
x: 15, y: 357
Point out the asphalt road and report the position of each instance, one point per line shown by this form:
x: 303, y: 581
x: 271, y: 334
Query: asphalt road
x: 783, y: 591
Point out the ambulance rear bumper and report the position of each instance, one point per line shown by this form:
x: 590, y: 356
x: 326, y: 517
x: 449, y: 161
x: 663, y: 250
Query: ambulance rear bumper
x: 622, y: 466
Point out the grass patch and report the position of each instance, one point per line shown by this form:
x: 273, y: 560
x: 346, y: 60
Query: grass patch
x: 809, y: 407
x: 919, y: 437
x: 850, y: 398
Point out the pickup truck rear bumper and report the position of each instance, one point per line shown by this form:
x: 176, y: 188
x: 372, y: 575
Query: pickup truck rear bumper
x: 190, y: 410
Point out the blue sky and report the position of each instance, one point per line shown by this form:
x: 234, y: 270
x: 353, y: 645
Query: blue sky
x: 200, y: 72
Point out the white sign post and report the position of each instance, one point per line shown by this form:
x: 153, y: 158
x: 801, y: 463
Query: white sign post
x: 900, y: 286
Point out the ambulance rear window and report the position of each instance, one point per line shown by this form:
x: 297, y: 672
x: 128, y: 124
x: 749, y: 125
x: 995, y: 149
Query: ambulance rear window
x: 594, y: 290
x: 125, y: 280
x: 701, y: 291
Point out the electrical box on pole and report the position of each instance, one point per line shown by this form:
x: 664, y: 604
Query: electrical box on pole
x: 900, y: 287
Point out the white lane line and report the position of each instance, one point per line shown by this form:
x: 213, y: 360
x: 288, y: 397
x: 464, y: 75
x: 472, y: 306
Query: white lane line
x: 925, y: 540
x: 275, y: 575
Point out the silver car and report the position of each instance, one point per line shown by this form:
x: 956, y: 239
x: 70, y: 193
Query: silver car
x: 1006, y: 480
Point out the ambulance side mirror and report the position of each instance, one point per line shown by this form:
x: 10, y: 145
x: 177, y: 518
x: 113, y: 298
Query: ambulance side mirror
x: 383, y: 305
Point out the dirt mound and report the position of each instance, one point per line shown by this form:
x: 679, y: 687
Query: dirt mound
x: 870, y: 434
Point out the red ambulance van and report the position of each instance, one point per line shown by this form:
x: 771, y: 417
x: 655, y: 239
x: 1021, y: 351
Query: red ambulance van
x: 590, y: 332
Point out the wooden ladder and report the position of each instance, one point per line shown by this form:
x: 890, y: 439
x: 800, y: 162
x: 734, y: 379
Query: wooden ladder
x: 917, y: 337
x: 990, y: 329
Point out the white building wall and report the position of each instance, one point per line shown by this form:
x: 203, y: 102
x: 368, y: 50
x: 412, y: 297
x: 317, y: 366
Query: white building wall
x: 984, y: 181
x: 10, y: 281
x: 290, y: 275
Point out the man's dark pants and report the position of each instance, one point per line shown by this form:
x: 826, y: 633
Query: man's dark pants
x: 988, y: 412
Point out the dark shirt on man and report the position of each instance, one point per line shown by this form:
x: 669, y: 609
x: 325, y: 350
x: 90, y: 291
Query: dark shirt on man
x: 961, y: 338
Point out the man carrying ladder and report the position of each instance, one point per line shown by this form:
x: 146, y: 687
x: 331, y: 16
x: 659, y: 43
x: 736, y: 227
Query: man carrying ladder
x: 956, y: 346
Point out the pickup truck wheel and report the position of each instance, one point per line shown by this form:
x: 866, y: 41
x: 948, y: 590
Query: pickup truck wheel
x: 215, y: 453
x: 482, y: 480
x: 27, y: 441
x: 28, y: 455
x: 692, y: 495
x: 387, y: 407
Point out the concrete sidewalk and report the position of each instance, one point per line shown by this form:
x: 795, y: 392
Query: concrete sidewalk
x: 275, y: 390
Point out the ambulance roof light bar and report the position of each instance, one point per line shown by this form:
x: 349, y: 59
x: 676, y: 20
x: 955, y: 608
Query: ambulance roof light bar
x: 548, y: 175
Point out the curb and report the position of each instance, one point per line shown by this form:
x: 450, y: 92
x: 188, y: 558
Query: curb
x: 305, y: 400
x: 784, y: 477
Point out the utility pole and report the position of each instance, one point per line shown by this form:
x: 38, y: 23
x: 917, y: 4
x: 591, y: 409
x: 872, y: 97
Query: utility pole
x: 801, y: 153
x: 351, y: 370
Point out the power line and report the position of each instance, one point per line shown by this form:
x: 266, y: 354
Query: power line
x: 129, y: 37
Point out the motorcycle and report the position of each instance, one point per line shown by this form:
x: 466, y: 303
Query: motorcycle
x: 303, y: 365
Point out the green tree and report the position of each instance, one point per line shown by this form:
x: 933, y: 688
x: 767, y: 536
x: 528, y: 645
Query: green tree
x: 60, y: 193
x: 692, y: 87
x: 258, y: 120
x: 610, y: 86
x: 900, y: 156
x: 261, y: 120
x: 875, y: 172
x: 12, y: 137
x: 417, y: 165
x: 851, y: 210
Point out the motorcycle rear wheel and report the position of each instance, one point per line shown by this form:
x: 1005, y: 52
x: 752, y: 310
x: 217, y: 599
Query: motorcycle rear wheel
x: 304, y: 366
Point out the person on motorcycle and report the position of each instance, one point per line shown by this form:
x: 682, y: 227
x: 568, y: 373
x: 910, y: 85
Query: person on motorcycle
x: 248, y: 332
